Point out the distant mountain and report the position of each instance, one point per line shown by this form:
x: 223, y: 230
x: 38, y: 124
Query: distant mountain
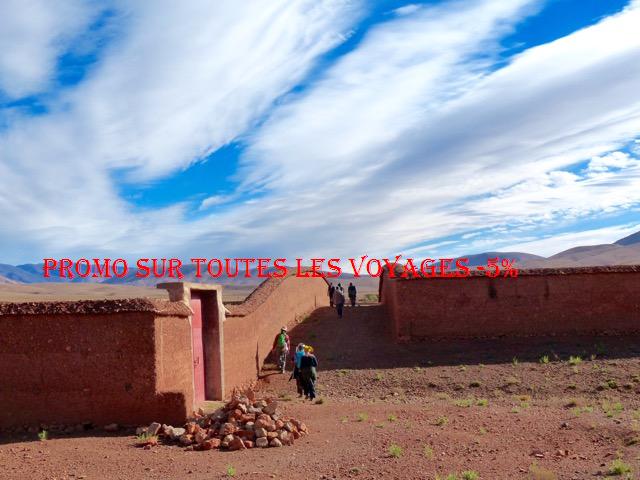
x: 519, y: 257
x: 20, y: 274
x: 6, y: 281
x: 632, y: 239
x: 625, y: 251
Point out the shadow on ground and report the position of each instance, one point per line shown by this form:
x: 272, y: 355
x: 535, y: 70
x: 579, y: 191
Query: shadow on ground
x: 362, y: 340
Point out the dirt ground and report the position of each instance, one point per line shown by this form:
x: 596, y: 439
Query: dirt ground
x: 563, y: 408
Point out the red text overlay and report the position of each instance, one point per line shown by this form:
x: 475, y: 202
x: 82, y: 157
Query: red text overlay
x: 176, y: 268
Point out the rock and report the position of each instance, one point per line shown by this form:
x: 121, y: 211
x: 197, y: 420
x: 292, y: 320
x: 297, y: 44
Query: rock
x: 260, y: 432
x: 246, y: 434
x: 200, y: 436
x: 112, y: 427
x: 237, y: 414
x: 271, y: 427
x: 248, y: 444
x: 271, y: 407
x: 288, y: 427
x: 177, y: 432
x: 275, y: 443
x: 226, y: 441
x: 191, y: 428
x: 215, y: 442
x: 236, y: 444
x: 250, y: 394
x: 272, y: 435
x: 249, y: 417
x: 262, y: 442
x: 284, y: 437
x: 154, y: 428
x: 261, y: 423
x: 141, y: 430
x: 279, y: 424
x: 185, y: 439
x: 228, y: 429
x: 249, y: 426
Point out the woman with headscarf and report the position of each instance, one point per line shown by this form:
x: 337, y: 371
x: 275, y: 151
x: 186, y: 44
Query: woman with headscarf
x: 308, y: 365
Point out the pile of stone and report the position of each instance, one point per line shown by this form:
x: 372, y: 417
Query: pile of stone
x: 241, y: 424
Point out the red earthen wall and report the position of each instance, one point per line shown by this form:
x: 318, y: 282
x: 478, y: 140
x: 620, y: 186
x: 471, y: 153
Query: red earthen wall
x: 65, y: 363
x: 251, y: 326
x: 538, y: 302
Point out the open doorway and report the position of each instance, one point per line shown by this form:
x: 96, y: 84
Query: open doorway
x: 206, y: 336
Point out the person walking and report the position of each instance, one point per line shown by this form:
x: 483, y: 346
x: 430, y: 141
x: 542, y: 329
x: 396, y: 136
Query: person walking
x: 297, y: 356
x: 281, y: 346
x: 352, y: 294
x: 338, y: 299
x: 308, y: 372
x: 330, y: 292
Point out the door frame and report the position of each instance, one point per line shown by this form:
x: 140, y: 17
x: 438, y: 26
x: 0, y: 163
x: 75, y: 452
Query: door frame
x: 213, y: 318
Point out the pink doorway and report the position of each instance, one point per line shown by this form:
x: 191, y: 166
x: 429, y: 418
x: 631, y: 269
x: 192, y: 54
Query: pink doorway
x: 198, y: 348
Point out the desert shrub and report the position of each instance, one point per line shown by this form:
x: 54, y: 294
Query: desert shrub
x: 464, y: 403
x: 395, y: 451
x: 428, y: 452
x: 43, y: 435
x: 362, y: 417
x: 231, y: 471
x: 539, y: 473
x: 544, y: 359
x: 442, y: 421
x: 618, y: 467
x: 573, y: 361
x: 470, y: 475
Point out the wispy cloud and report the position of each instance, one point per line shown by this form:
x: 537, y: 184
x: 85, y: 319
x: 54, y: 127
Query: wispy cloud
x: 33, y: 34
x: 419, y: 132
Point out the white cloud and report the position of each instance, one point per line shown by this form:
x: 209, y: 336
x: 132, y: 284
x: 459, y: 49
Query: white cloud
x: 403, y: 138
x: 33, y: 34
x: 410, y: 137
x: 181, y: 81
x: 612, y: 160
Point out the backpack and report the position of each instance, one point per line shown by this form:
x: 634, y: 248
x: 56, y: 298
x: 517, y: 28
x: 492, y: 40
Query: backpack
x: 282, y: 339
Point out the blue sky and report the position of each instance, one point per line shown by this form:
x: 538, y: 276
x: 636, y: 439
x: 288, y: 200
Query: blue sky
x: 316, y: 128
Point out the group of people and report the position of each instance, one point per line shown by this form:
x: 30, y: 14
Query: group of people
x: 336, y: 296
x: 304, y: 361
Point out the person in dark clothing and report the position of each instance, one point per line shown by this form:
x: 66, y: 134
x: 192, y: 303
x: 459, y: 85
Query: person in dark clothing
x: 338, y: 300
x: 352, y: 294
x: 308, y: 372
x: 330, y: 291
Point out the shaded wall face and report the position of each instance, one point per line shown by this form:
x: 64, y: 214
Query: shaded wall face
x: 248, y: 339
x: 92, y: 367
x: 527, y: 305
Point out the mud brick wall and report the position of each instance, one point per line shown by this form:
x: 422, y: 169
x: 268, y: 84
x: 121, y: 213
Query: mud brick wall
x: 122, y: 361
x: 588, y: 300
x: 250, y: 327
